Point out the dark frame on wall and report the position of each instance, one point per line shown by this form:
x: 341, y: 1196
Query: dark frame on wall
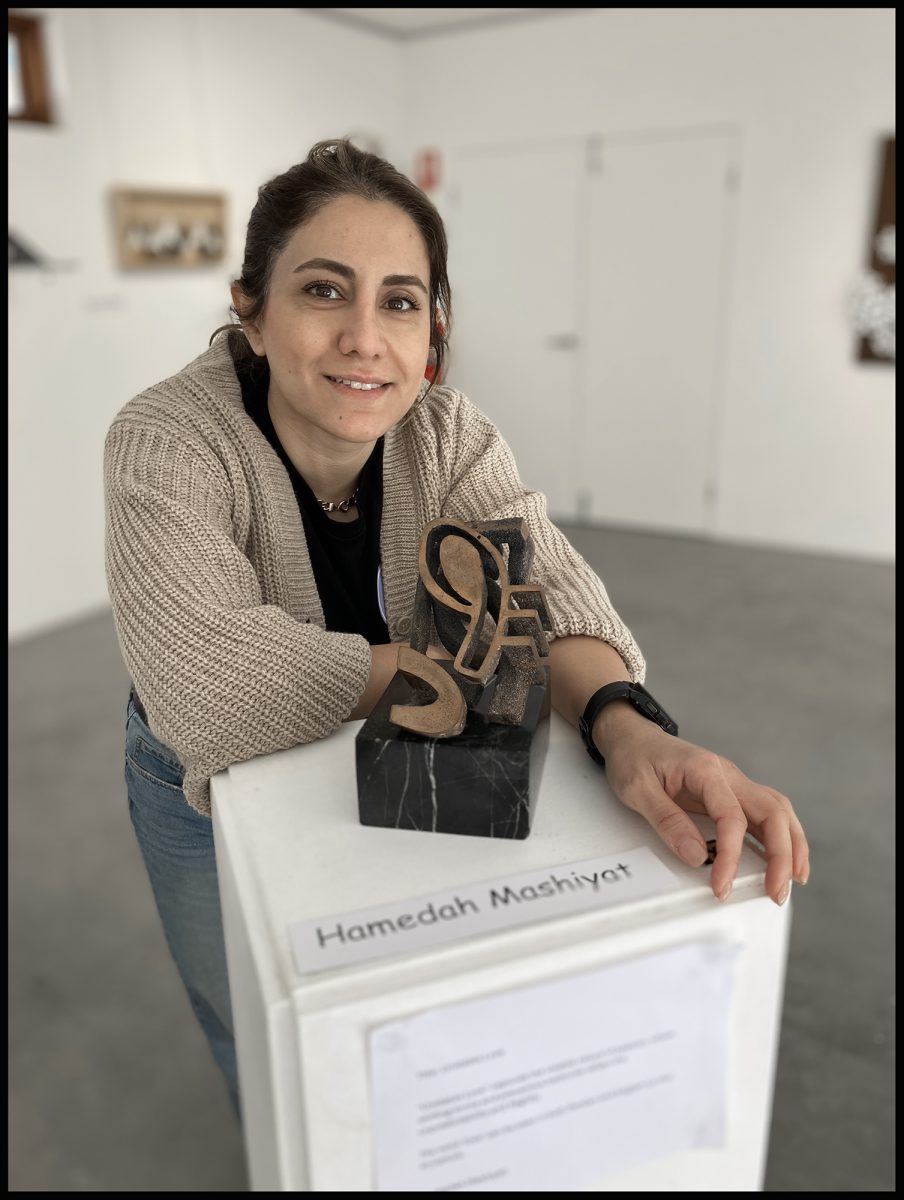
x: 880, y: 266
x: 26, y: 46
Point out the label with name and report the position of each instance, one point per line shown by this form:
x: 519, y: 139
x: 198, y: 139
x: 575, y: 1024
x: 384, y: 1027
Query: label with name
x: 398, y: 927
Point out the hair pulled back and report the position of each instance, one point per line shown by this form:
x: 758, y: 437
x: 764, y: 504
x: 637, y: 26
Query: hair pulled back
x: 332, y: 169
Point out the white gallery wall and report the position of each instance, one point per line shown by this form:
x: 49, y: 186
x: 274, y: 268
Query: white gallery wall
x: 803, y: 437
x: 217, y: 100
x: 222, y: 100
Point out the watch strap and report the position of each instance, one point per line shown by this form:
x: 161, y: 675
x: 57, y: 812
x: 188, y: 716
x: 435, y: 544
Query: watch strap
x: 634, y: 693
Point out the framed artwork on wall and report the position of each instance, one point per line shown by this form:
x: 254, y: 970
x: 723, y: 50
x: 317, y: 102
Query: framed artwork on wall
x: 156, y: 229
x: 872, y: 303
x: 29, y: 79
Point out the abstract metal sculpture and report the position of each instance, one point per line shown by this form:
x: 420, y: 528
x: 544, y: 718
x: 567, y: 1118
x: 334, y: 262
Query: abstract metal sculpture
x: 475, y: 599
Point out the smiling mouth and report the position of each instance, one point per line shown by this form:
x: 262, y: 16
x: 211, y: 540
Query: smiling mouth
x: 357, y: 385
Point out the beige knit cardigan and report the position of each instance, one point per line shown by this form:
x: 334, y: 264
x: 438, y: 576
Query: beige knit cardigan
x: 214, y: 599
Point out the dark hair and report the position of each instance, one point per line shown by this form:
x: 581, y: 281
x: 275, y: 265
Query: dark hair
x: 336, y: 168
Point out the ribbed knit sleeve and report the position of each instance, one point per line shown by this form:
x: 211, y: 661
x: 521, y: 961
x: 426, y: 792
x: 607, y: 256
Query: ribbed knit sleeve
x: 224, y: 672
x: 483, y: 483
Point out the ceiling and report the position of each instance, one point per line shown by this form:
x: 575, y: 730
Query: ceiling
x: 403, y: 24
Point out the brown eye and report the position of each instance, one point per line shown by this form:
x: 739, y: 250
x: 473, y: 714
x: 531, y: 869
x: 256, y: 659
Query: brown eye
x: 318, y: 290
x: 395, y: 302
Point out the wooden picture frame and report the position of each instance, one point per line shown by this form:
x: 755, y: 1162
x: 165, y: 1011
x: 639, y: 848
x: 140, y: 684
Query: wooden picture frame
x: 157, y: 229
x: 29, y: 91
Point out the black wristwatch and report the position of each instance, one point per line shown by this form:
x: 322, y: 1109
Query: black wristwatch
x: 637, y: 695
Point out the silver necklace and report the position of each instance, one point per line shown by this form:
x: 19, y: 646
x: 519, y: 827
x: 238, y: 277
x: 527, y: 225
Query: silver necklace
x: 342, y: 506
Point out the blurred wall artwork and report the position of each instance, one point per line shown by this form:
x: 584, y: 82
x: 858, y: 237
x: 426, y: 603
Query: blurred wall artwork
x: 871, y: 300
x: 21, y: 255
x: 168, y: 229
x: 427, y: 168
x: 27, y: 73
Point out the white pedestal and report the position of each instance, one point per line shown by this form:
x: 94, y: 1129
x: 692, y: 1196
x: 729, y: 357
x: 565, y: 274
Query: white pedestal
x: 290, y: 848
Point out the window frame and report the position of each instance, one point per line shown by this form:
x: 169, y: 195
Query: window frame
x: 33, y: 67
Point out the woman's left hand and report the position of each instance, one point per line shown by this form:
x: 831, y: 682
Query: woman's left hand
x: 663, y: 778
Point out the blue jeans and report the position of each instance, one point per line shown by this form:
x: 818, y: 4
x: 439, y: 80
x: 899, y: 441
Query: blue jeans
x: 176, y: 843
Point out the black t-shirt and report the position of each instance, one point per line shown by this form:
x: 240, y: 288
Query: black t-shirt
x: 345, y: 556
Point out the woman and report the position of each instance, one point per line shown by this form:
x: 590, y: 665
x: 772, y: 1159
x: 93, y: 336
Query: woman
x: 264, y: 508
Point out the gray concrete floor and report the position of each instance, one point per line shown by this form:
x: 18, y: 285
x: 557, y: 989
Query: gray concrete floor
x: 783, y: 662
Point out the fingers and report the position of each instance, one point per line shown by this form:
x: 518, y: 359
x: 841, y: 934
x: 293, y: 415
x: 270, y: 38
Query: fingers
x: 780, y: 833
x: 731, y: 824
x: 683, y: 837
x: 800, y: 849
x: 766, y: 813
x: 735, y: 804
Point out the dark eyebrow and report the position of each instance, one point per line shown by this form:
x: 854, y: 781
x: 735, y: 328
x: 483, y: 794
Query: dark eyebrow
x: 327, y: 264
x: 404, y: 281
x: 330, y: 264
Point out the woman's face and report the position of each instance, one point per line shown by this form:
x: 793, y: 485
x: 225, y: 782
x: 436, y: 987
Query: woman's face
x: 346, y: 327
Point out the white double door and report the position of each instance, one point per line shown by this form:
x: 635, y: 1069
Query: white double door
x: 590, y: 285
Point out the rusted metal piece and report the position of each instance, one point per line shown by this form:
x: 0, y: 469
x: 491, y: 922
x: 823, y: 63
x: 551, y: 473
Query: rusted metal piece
x: 485, y: 613
x: 446, y: 715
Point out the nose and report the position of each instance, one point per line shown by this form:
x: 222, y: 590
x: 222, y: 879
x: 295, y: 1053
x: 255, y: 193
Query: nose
x: 362, y: 331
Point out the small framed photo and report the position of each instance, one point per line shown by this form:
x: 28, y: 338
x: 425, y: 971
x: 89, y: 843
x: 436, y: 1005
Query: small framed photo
x: 168, y: 229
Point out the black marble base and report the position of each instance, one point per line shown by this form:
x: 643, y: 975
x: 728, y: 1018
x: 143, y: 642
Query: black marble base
x: 483, y: 782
